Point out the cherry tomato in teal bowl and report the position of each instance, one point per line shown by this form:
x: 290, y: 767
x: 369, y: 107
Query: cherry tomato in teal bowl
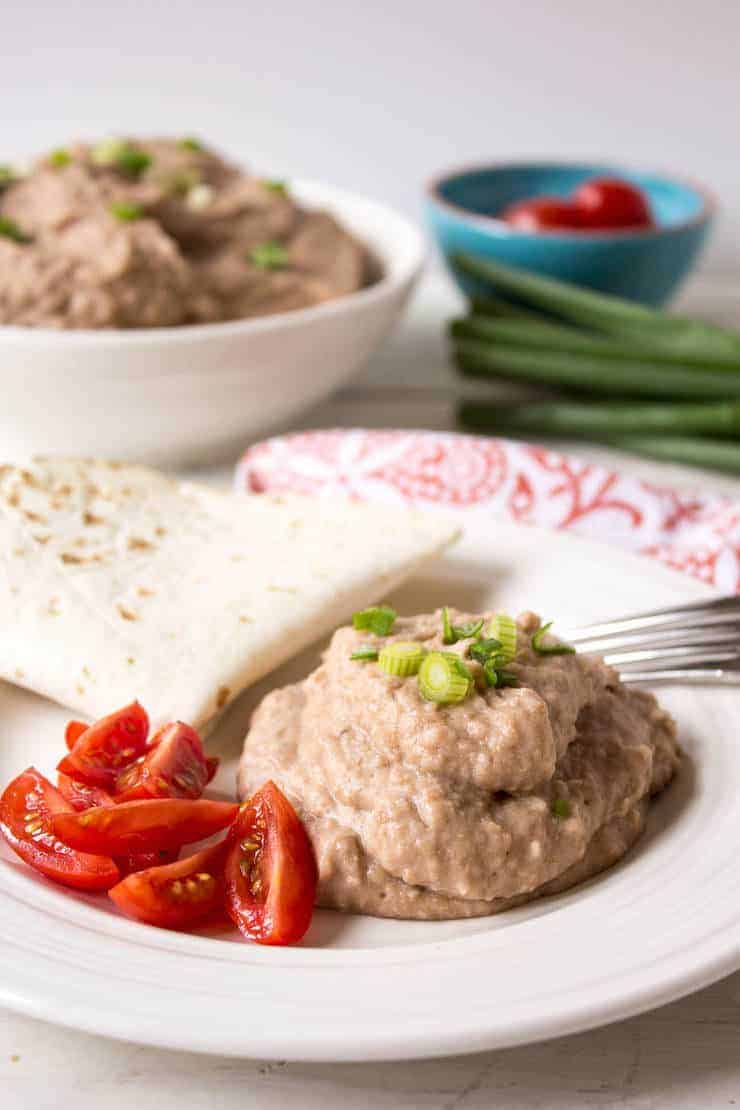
x: 636, y: 235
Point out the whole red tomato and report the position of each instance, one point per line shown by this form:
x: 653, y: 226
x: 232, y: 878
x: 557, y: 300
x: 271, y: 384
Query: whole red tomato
x: 543, y: 214
x: 606, y: 202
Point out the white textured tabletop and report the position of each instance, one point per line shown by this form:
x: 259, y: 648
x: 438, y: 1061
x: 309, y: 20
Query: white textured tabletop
x: 682, y: 1056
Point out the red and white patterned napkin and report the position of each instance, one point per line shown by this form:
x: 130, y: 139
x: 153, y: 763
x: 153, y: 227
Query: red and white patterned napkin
x: 694, y: 533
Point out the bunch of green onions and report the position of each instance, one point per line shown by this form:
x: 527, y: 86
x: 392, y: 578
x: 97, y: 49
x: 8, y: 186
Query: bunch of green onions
x: 629, y: 376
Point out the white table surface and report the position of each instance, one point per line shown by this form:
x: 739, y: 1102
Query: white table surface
x: 682, y: 1057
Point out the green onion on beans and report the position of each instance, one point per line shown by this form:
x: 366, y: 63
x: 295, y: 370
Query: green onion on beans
x: 600, y: 311
x: 594, y: 420
x: 401, y: 658
x: 444, y: 678
x: 378, y: 619
x: 557, y: 648
x: 503, y: 629
x: 366, y: 654
x: 451, y: 633
x: 595, y: 375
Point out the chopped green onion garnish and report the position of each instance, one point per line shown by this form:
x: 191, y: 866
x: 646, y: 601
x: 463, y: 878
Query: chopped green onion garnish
x: 365, y: 655
x: 269, y: 256
x: 9, y: 230
x: 451, y: 633
x: 126, y: 212
x: 132, y: 161
x: 560, y: 808
x: 276, y: 186
x: 503, y: 628
x: 378, y: 619
x: 182, y: 181
x: 189, y: 143
x: 444, y: 678
x: 483, y: 650
x: 107, y: 152
x: 6, y: 175
x: 60, y: 157
x: 402, y: 658
x: 507, y: 678
x: 549, y: 649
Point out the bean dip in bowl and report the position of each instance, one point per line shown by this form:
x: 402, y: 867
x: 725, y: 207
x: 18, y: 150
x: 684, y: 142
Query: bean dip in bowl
x: 158, y: 302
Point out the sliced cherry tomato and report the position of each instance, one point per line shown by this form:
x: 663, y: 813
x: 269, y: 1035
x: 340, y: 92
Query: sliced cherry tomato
x: 270, y: 870
x: 175, y: 767
x: 73, y: 732
x: 179, y: 896
x: 142, y: 861
x: 543, y: 214
x: 143, y: 826
x: 212, y: 762
x: 27, y: 812
x: 106, y: 747
x: 606, y: 202
x: 81, y: 796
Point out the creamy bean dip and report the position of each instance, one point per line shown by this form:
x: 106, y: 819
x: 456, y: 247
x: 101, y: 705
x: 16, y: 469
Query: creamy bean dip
x: 422, y: 809
x: 133, y: 233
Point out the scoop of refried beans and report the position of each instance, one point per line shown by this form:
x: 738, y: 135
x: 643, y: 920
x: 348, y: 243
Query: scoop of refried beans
x: 420, y: 810
x: 152, y: 233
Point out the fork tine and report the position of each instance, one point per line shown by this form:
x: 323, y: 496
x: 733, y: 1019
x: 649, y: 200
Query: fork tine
x: 687, y: 677
x: 702, y: 614
x: 708, y: 655
x: 664, y: 638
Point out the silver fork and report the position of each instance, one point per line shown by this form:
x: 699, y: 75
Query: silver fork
x: 694, y: 643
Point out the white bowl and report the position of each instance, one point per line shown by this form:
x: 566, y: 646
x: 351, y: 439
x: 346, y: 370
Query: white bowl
x: 195, y: 394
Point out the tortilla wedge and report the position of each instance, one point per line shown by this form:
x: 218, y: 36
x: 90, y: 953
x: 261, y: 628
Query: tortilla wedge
x: 117, y: 582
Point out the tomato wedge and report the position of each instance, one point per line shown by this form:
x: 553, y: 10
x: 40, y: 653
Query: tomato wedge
x: 175, y: 767
x: 81, y: 796
x: 142, y: 861
x: 179, y: 896
x: 27, y: 813
x: 73, y: 732
x: 270, y: 870
x: 143, y: 826
x: 107, y: 746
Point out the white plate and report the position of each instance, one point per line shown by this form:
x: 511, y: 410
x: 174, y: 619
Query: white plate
x: 663, y: 923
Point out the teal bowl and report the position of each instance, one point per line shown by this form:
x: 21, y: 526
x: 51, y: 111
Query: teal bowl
x: 643, y: 265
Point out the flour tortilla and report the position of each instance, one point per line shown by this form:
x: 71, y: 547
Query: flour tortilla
x: 119, y: 583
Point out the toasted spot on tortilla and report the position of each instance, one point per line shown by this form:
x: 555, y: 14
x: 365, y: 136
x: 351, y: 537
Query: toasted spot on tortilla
x: 138, y: 543
x: 70, y: 557
x: 91, y: 518
x: 127, y: 614
x: 222, y: 696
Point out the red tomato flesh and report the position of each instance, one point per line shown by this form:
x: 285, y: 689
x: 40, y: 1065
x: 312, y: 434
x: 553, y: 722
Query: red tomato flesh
x: 142, y: 861
x: 606, y: 202
x: 28, y: 809
x: 81, y: 796
x: 73, y: 732
x: 270, y: 870
x: 178, y: 896
x: 212, y: 762
x: 107, y: 746
x: 143, y: 826
x: 175, y: 767
x: 543, y: 214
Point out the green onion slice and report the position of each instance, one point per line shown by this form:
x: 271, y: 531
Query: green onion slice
x: 560, y: 808
x: 190, y: 143
x: 126, y: 212
x: 451, y: 633
x: 60, y: 157
x: 483, y: 650
x: 378, y: 619
x: 503, y: 628
x: 444, y: 678
x: 507, y: 678
x: 367, y: 654
x: 9, y: 229
x: 269, y: 256
x: 132, y: 161
x: 549, y: 649
x: 7, y: 175
x: 276, y: 186
x: 106, y: 152
x: 402, y: 658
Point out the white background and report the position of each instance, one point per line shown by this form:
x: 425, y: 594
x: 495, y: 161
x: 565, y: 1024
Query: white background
x: 378, y: 96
